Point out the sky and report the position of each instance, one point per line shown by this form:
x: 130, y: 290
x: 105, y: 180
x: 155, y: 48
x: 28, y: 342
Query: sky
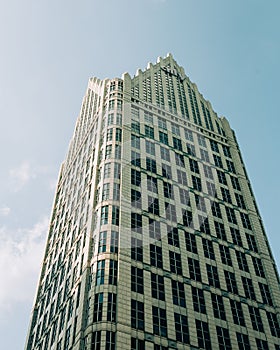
x: 49, y: 50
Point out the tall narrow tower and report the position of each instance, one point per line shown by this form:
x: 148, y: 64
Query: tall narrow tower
x: 155, y: 240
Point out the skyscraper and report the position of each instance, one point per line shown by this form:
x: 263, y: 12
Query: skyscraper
x: 155, y: 240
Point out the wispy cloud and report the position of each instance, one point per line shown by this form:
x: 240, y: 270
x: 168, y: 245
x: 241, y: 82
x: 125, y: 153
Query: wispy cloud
x: 5, y: 211
x: 21, y: 175
x: 21, y: 252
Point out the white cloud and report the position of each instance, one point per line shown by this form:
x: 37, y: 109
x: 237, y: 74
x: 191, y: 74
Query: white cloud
x: 21, y: 175
x: 5, y: 211
x: 21, y: 253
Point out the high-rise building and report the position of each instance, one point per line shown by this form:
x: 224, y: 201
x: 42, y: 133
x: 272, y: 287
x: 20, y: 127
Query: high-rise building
x: 155, y: 240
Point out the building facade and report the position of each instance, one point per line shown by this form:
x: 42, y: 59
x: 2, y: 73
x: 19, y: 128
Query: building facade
x: 155, y: 240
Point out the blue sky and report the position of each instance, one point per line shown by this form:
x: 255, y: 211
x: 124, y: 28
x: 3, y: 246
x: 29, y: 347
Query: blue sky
x: 49, y: 49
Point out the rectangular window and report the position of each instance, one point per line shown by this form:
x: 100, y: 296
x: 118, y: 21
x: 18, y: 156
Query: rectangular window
x: 273, y: 324
x: 194, y: 166
x: 173, y: 236
x: 150, y: 148
x: 163, y: 137
x: 236, y: 237
x: 237, y: 312
x: 225, y: 255
x: 245, y: 221
x: 182, y: 177
x: 235, y: 183
x: 104, y: 215
x: 181, y: 328
x: 136, y: 249
x: 112, y: 306
x: 114, y: 242
x: 266, y: 296
x: 226, y: 195
x: 252, y: 243
x: 137, y: 281
x: 258, y: 266
x: 242, y: 261
x: 110, y: 340
x: 116, y: 192
x: 208, y: 249
x: 136, y: 222
x: 218, y: 306
x: 177, y: 144
x: 165, y: 154
x: 190, y: 149
x: 157, y: 286
x: 135, y: 141
x: 208, y: 172
x: 243, y: 341
x: 115, y: 215
x: 222, y: 177
x: 154, y: 229
x: 197, y: 183
x: 220, y: 230
x: 137, y: 314
x: 189, y: 135
x: 230, y: 166
x: 135, y: 159
x: 240, y: 201
x: 156, y: 255
x: 162, y: 123
x: 203, y: 335
x: 223, y: 338
x: 184, y: 196
x: 170, y: 212
x: 204, y: 155
x: 213, y: 277
x: 98, y: 305
x: 248, y: 288
x: 159, y: 321
x: 179, y: 158
x: 218, y: 161
x: 231, y: 282
x: 149, y: 132
x: 100, y: 273
x: 194, y: 269
x: 102, y: 242
x: 113, y: 272
x: 256, y: 318
x: 231, y: 215
x: 262, y: 344
x: 198, y: 300
x: 168, y: 190
x: 178, y: 293
x: 152, y: 184
x: 153, y: 205
x: 175, y: 263
x: 191, y: 245
x: 135, y: 177
x: 96, y: 340
x: 137, y: 344
x: 151, y: 165
x: 136, y: 199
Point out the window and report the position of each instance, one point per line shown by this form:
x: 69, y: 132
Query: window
x: 262, y: 344
x: 162, y: 123
x: 231, y: 215
x: 226, y: 151
x: 108, y: 151
x: 163, y: 137
x: 135, y: 159
x: 104, y: 215
x: 154, y: 229
x: 137, y: 281
x: 175, y: 263
x: 236, y: 237
x: 204, y: 224
x: 200, y: 203
x: 256, y: 318
x: 148, y: 117
x: 235, y: 183
x: 237, y: 312
x: 173, y: 236
x: 152, y: 184
x: 208, y: 171
x: 110, y: 340
x: 188, y: 135
x: 203, y: 335
x: 112, y: 305
x: 157, y: 286
x: 211, y: 189
x: 109, y: 136
x: 166, y: 171
x: 182, y: 177
x: 178, y: 293
x: 208, y: 249
x: 201, y: 140
x: 175, y: 129
x: 242, y: 261
x: 96, y: 340
x: 118, y: 151
x: 266, y: 296
x: 100, y: 273
x: 190, y: 242
x: 179, y: 158
x: 194, y: 269
x: 135, y: 141
x: 198, y: 300
x: 135, y: 177
x: 273, y: 324
x: 150, y: 148
x: 137, y: 344
x: 98, y: 305
x: 243, y: 341
x: 204, y: 155
x: 165, y: 154
x: 230, y: 166
x: 218, y: 306
x: 116, y: 192
x: 151, y: 165
x: 107, y: 170
x: 245, y: 221
x: 231, y: 282
x: 113, y: 272
x: 153, y: 204
x: 137, y: 314
x: 177, y: 144
x: 240, y: 201
x: 191, y: 149
x: 136, y: 222
x: 194, y: 166
x: 218, y: 161
x: 258, y: 266
x: 114, y: 242
x: 184, y: 196
x: 248, y: 288
x: 102, y: 241
x: 225, y: 255
x: 220, y: 230
x: 197, y: 183
x: 117, y: 170
x: 252, y: 244
x: 159, y: 321
x: 170, y: 212
x: 136, y: 199
x: 136, y: 249
x: 213, y: 277
x: 223, y: 338
x: 216, y: 210
x: 181, y: 328
x: 115, y: 215
x: 156, y: 255
x: 135, y: 126
x: 149, y: 132
x: 222, y: 177
x: 168, y: 190
x: 226, y: 195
